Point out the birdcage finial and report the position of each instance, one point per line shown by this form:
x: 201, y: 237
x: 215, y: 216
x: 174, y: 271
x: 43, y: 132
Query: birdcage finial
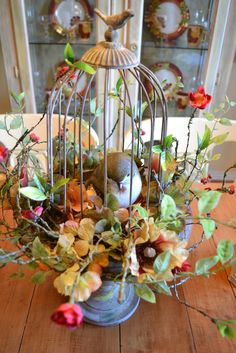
x: 111, y: 54
x: 114, y: 22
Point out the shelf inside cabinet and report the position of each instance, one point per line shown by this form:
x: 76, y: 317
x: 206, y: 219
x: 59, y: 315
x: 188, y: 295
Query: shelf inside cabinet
x: 61, y: 42
x: 171, y: 45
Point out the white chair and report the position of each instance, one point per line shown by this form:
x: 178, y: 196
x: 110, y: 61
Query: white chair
x: 30, y: 120
x: 178, y: 127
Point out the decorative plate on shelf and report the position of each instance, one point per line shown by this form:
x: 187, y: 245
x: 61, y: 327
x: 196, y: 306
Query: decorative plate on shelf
x: 167, y: 73
x: 71, y: 17
x: 167, y: 19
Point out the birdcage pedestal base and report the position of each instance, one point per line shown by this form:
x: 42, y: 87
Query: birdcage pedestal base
x: 103, y: 309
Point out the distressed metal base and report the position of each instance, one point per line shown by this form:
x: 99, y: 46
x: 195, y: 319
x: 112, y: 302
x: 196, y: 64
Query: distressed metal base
x: 103, y: 309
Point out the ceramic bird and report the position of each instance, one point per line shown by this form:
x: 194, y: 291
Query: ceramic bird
x: 118, y: 178
x: 115, y: 21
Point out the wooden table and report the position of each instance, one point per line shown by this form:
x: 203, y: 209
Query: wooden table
x: 168, y: 326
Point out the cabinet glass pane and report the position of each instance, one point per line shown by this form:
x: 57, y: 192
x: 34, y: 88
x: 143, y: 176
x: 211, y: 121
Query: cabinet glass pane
x: 51, y: 24
x: 175, y: 42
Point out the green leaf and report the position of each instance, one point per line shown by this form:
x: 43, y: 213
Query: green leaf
x: 129, y: 111
x: 84, y: 67
x: 162, y: 287
x: 16, y: 122
x: 38, y: 183
x: 101, y: 225
x: 33, y: 193
x: 39, y: 277
x: 225, y: 330
x: 166, y: 160
x: 69, y: 53
x: 208, y: 201
x: 209, y: 116
x: 112, y: 202
x: 93, y: 106
x: 119, y: 83
x: 225, y: 250
x: 99, y: 111
x: 38, y: 249
x: 225, y: 121
x: 143, y: 107
x: 168, y: 141
x: 206, y: 138
x: 144, y: 292
x: 209, y: 227
x: 162, y: 262
x: 21, y: 96
x: 157, y: 149
x: 59, y: 184
x: 2, y: 125
x: 202, y: 266
x: 142, y: 211
x: 18, y: 98
x: 168, y: 207
x: 219, y: 139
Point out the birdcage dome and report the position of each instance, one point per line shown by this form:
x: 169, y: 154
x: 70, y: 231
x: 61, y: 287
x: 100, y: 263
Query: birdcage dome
x: 111, y: 56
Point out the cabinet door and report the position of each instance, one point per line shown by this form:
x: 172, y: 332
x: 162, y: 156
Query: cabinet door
x: 184, y: 39
x: 50, y: 25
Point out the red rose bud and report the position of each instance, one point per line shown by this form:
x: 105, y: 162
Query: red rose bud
x: 32, y: 215
x: 143, y: 132
x: 231, y: 189
x: 204, y: 181
x: 69, y: 315
x: 34, y: 137
x: 184, y: 267
x: 3, y: 153
x: 199, y: 99
x: 209, y: 176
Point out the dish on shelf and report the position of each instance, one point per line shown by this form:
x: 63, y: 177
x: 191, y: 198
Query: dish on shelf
x: 167, y: 19
x: 167, y: 74
x: 71, y: 17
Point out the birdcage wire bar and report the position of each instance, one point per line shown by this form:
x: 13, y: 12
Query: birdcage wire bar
x: 139, y: 74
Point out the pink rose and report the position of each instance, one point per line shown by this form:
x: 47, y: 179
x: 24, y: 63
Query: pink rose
x: 34, y: 137
x: 69, y: 315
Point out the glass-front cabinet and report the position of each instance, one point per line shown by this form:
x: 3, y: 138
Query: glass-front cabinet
x: 182, y: 41
x: 175, y: 44
x: 51, y: 24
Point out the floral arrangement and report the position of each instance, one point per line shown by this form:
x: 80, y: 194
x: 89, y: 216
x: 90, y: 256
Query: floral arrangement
x: 149, y: 245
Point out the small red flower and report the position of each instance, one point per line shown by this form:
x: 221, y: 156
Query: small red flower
x: 69, y: 315
x: 209, y: 176
x: 3, y: 153
x: 34, y: 137
x: 204, y: 181
x: 231, y: 189
x: 199, y: 99
x: 184, y: 268
x: 142, y: 132
x: 32, y: 215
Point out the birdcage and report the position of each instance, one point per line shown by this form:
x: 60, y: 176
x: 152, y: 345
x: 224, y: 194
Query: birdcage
x: 106, y: 57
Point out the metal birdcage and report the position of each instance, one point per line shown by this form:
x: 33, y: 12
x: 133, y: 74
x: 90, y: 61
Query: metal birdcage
x: 106, y: 56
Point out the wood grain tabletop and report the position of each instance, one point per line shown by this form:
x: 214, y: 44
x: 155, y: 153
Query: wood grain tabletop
x: 167, y: 327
